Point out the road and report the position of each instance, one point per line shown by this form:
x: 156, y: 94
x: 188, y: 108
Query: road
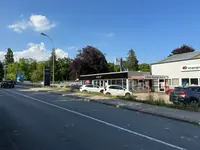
x: 41, y: 121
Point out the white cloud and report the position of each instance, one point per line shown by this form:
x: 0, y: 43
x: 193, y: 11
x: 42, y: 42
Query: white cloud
x: 40, y: 23
x: 19, y: 26
x: 110, y: 34
x: 2, y: 55
x: 36, y: 51
x: 37, y: 23
x: 60, y: 53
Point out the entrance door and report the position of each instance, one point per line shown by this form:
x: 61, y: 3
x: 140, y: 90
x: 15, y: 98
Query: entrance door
x: 161, y: 87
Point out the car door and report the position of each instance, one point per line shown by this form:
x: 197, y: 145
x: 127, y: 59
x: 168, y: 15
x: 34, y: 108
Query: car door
x: 96, y: 88
x: 113, y: 90
x: 120, y: 91
x: 89, y: 88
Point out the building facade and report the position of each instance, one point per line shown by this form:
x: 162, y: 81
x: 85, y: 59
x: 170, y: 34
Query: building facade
x: 182, y: 69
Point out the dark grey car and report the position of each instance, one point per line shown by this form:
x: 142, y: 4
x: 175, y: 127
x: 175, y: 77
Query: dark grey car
x: 185, y: 95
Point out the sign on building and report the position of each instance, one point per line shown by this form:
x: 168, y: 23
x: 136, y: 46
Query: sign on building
x: 187, y: 68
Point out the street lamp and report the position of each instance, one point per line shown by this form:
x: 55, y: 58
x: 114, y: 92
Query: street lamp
x: 43, y: 34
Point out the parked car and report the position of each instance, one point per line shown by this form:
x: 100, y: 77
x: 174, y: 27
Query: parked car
x: 168, y: 91
x: 116, y: 90
x: 7, y: 84
x: 91, y: 88
x: 185, y: 95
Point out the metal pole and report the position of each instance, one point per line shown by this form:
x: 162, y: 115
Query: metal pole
x: 53, y: 67
x: 53, y: 56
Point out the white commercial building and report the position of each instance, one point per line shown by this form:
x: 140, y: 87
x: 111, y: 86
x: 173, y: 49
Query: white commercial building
x: 181, y: 69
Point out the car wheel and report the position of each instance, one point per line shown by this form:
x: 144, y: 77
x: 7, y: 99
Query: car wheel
x: 85, y: 91
x: 108, y: 94
x: 194, y: 103
x: 101, y: 91
x: 127, y: 95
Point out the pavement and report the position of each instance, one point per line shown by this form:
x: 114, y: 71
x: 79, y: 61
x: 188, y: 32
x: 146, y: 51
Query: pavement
x: 33, y: 120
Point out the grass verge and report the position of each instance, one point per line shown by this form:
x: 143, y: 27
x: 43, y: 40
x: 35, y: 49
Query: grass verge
x: 149, y: 100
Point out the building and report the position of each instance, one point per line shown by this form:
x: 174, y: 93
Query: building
x: 134, y: 81
x: 181, y: 69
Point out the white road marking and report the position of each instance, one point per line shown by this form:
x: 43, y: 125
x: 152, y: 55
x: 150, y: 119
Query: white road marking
x: 103, y: 122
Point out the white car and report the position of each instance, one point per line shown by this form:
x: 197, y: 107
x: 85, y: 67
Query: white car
x: 91, y: 88
x: 116, y: 90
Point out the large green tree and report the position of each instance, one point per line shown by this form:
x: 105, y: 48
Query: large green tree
x: 1, y: 71
x: 37, y: 75
x: 9, y: 57
x: 144, y: 67
x: 132, y: 62
x: 63, y: 69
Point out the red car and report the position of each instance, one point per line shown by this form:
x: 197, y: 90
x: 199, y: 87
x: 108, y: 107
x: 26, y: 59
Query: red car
x: 168, y: 91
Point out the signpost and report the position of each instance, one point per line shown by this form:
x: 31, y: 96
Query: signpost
x: 46, y: 76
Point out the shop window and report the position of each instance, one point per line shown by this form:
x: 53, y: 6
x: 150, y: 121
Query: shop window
x: 113, y: 82
x: 175, y: 81
x: 194, y: 81
x: 109, y: 82
x: 119, y: 82
x: 168, y: 82
x: 124, y: 83
x: 185, y: 81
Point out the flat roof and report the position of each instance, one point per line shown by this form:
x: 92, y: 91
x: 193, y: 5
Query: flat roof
x: 102, y: 73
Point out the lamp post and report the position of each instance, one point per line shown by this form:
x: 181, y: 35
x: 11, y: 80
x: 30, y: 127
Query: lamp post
x: 53, y: 55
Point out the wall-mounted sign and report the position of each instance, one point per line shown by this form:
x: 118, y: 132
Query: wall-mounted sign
x: 190, y: 68
x: 155, y: 77
x: 98, y: 77
x: 87, y: 81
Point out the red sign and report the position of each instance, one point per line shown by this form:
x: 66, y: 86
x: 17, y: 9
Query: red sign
x: 87, y: 81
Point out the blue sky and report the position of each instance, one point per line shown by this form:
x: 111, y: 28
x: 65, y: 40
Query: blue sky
x: 153, y: 28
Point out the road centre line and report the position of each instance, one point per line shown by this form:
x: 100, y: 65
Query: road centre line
x: 101, y: 121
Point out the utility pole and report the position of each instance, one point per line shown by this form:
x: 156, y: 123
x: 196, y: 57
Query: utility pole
x: 43, y: 34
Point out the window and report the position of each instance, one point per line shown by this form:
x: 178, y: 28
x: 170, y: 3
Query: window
x: 194, y: 81
x: 185, y: 81
x: 112, y: 87
x: 109, y: 82
x: 119, y: 82
x: 175, y: 81
x: 90, y: 85
x: 124, y: 83
x: 96, y: 86
x: 119, y: 88
x: 113, y: 82
x: 168, y: 82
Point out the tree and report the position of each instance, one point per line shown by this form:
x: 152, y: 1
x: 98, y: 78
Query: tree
x: 11, y: 71
x: 9, y: 58
x: 145, y: 67
x: 111, y: 67
x: 90, y: 60
x: 132, y: 62
x: 50, y: 62
x: 183, y: 49
x: 63, y: 69
x: 37, y: 74
x: 1, y: 71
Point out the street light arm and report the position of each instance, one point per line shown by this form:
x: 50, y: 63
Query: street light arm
x: 49, y: 38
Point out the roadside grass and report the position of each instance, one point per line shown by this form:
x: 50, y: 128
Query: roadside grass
x: 151, y: 100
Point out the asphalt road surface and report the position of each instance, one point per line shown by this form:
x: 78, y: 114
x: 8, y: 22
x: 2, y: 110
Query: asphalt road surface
x: 42, y: 121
